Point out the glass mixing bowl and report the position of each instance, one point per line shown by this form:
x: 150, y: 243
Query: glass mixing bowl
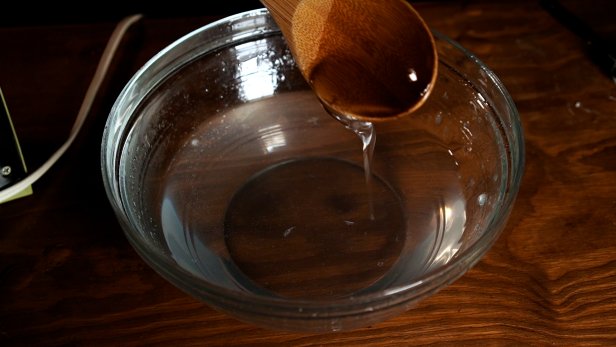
x: 232, y: 182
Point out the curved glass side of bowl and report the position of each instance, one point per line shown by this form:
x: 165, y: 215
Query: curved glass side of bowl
x: 231, y: 180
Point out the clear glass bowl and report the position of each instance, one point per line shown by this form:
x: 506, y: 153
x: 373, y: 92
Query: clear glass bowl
x: 234, y: 184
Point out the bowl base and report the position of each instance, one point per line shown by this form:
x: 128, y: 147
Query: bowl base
x: 304, y: 229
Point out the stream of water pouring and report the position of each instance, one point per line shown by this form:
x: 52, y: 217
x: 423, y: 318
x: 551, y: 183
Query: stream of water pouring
x: 367, y: 135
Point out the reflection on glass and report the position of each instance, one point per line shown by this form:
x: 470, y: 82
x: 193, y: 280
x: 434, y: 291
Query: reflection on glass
x: 454, y: 220
x: 256, y: 72
x: 272, y: 137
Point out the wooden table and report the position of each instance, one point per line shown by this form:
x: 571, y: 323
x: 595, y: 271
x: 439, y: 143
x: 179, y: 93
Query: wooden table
x: 69, y: 277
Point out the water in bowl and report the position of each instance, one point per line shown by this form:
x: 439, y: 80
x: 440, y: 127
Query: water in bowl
x: 281, y: 212
x: 248, y: 183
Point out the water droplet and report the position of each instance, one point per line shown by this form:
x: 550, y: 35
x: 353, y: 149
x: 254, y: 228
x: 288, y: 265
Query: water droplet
x: 438, y: 119
x: 288, y: 231
x: 413, y: 75
x: 194, y: 142
x: 313, y: 121
x: 482, y: 198
x: 335, y: 325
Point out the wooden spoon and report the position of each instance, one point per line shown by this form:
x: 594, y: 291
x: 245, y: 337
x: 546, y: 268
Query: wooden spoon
x: 366, y: 60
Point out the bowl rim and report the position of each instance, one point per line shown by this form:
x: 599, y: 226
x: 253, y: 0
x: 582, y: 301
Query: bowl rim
x: 330, y: 307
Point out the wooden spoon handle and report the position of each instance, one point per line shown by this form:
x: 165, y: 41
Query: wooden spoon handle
x: 282, y: 11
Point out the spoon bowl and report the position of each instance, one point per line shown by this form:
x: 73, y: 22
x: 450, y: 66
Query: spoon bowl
x: 365, y: 60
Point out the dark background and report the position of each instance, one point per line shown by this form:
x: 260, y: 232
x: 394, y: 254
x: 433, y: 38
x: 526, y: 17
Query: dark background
x: 20, y: 12
x: 595, y: 17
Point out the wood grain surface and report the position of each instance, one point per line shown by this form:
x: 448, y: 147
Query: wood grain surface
x: 69, y: 277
